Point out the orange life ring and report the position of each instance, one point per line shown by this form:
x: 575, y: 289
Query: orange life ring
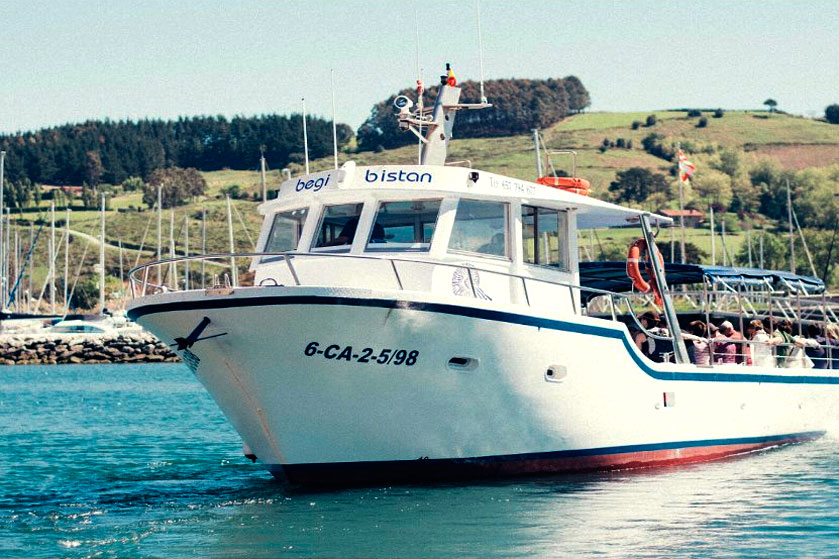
x: 633, y: 269
x: 569, y: 184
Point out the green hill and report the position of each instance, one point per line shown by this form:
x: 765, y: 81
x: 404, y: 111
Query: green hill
x: 778, y: 142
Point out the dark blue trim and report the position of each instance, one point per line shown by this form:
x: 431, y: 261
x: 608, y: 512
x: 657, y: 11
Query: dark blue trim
x: 485, y: 314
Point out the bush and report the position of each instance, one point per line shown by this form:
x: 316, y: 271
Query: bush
x: 694, y: 113
x: 629, y: 144
x: 650, y: 120
x: 831, y: 113
x: 621, y: 143
x: 703, y: 122
x: 718, y: 113
x: 636, y: 124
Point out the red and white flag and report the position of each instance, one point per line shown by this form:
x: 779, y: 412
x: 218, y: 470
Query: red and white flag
x: 686, y: 168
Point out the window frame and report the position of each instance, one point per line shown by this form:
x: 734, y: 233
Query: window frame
x: 373, y: 248
x: 508, y: 221
x: 562, y: 229
x: 337, y: 248
x: 302, y: 223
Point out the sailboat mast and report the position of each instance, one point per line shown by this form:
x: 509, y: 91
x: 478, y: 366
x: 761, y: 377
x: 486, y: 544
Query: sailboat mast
x: 52, y: 257
x: 234, y: 274
x: 3, y: 286
x: 159, y: 234
x: 102, y: 258
x: 66, y: 258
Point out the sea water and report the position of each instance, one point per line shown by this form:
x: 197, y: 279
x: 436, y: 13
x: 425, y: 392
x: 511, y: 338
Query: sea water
x: 137, y: 461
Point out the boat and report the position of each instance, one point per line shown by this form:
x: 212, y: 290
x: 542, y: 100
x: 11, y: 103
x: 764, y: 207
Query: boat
x: 427, y: 322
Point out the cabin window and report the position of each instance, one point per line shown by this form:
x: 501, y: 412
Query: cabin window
x: 286, y: 230
x: 543, y: 237
x: 480, y: 227
x: 404, y: 225
x: 337, y: 227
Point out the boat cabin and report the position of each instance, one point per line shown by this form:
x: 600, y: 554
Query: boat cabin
x: 450, y: 230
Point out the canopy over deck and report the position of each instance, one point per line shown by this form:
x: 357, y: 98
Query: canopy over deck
x: 611, y: 276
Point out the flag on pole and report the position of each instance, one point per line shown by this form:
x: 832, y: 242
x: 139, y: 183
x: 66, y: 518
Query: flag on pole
x: 686, y: 168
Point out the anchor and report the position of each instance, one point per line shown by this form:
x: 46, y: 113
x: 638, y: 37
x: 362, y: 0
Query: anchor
x: 194, y: 336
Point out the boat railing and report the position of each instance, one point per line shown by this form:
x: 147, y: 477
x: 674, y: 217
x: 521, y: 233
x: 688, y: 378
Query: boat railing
x: 212, y: 272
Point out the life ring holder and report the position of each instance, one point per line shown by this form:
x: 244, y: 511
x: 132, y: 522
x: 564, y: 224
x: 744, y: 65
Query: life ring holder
x: 633, y: 269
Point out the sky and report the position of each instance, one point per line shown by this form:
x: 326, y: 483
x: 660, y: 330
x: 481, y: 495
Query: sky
x: 67, y: 61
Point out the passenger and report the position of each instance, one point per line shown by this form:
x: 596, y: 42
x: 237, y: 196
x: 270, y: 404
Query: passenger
x: 700, y: 350
x: 832, y: 334
x: 783, y: 341
x: 761, y: 350
x: 648, y: 321
x: 725, y: 348
x: 814, y: 345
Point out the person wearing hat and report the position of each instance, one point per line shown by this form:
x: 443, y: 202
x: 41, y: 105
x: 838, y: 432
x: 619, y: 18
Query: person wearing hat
x: 648, y: 321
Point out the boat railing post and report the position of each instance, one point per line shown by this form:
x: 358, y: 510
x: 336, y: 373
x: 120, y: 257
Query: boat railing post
x: 612, y: 307
x: 524, y: 287
x: 291, y: 269
x: 679, y: 349
x: 396, y: 273
x: 145, y: 281
x: 573, y: 301
x: 472, y: 283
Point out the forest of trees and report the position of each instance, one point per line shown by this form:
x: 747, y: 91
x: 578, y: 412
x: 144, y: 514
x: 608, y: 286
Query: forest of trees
x: 517, y: 107
x: 110, y: 152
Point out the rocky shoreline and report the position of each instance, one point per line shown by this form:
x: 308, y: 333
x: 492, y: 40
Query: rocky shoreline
x: 53, y: 349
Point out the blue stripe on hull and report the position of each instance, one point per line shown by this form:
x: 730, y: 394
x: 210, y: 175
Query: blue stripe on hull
x: 566, y: 461
x: 484, y: 314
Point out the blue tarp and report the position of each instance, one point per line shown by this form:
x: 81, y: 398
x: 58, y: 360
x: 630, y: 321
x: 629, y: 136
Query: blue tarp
x: 611, y: 276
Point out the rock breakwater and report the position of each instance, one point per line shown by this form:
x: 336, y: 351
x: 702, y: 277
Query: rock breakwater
x: 52, y: 349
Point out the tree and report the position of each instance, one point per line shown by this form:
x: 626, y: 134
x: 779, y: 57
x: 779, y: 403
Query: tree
x: 702, y: 123
x: 718, y: 113
x: 132, y: 184
x: 93, y: 168
x: 831, y: 113
x: 177, y: 185
x: 692, y: 113
x: 650, y: 120
x: 636, y: 184
x: 712, y: 186
x: 771, y: 104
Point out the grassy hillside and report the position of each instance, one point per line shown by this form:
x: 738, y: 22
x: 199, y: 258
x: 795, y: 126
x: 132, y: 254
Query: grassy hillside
x: 791, y: 142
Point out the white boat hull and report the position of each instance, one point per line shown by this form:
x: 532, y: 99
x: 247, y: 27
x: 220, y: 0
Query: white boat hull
x: 340, y: 416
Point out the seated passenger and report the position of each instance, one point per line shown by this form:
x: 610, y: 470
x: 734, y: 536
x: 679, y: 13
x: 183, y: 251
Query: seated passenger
x: 726, y: 349
x: 814, y: 347
x: 760, y: 348
x: 647, y: 320
x: 832, y: 334
x: 700, y: 345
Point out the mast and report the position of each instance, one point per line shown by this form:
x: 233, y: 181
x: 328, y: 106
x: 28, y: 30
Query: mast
x: 52, y: 257
x: 234, y: 279
x: 173, y: 270
x: 159, y: 234
x: 66, y: 257
x: 121, y: 285
x: 681, y: 207
x: 791, y: 234
x: 186, y: 252
x: 102, y: 258
x: 203, y: 241
x: 713, y: 237
x: 3, y: 285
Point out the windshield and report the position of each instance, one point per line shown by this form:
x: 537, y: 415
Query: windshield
x: 404, y: 225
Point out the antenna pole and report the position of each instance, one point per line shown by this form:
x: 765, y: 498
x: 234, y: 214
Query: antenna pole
x: 262, y: 172
x: 538, y: 152
x: 480, y: 49
x: 305, y: 139
x: 334, y: 125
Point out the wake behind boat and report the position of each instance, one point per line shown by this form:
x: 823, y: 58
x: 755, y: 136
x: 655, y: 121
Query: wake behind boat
x: 408, y: 322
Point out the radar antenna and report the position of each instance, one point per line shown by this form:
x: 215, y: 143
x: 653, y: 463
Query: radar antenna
x: 439, y: 120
